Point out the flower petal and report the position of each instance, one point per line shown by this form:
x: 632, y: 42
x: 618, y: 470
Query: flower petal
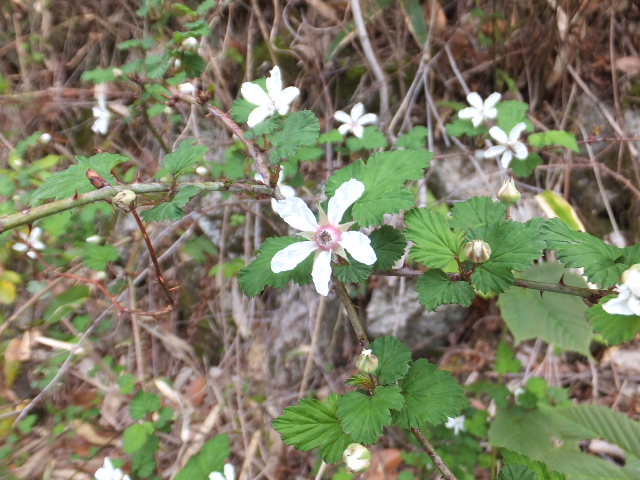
x: 468, y: 112
x: 358, y: 130
x: 368, y: 118
x: 274, y: 82
x: 494, y: 151
x: 295, y: 212
x: 516, y: 131
x: 491, y: 101
x: 498, y: 135
x: 346, y: 194
x: 32, y: 255
x: 634, y: 304
x: 521, y: 151
x: 321, y: 272
x: 216, y: 476
x: 342, y: 116
x: 229, y: 471
x: 285, y: 98
x: 258, y: 115
x: 475, y: 100
x: 359, y: 246
x: 477, y: 119
x: 291, y: 256
x: 617, y: 306
x: 490, y: 113
x: 253, y: 93
x: 357, y: 111
x: 344, y: 129
x: 287, y: 191
x: 20, y: 247
x: 632, y: 281
x: 507, y: 156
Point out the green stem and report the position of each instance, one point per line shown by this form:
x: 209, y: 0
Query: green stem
x: 28, y: 216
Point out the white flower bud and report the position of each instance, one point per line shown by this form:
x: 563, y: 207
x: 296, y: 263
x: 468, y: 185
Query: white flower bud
x: 168, y: 110
x: 202, y: 171
x: 477, y: 251
x: 94, y: 239
x: 190, y: 43
x: 367, y: 362
x: 508, y: 193
x: 117, y: 72
x: 187, y: 88
x: 177, y: 63
x: 357, y: 457
x: 44, y: 138
x: 124, y: 200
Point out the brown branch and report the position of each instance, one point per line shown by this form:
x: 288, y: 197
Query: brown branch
x: 435, y: 458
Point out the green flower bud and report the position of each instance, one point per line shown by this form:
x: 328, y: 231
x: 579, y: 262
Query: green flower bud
x: 124, y: 200
x: 477, y: 251
x: 357, y: 457
x: 509, y: 194
x: 367, y: 362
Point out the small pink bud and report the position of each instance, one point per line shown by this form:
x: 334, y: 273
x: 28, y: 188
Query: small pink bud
x: 477, y: 251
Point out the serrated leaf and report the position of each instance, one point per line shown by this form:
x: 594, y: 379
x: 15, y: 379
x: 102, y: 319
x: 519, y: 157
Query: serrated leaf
x: 184, y: 157
x: 142, y: 404
x: 506, y: 361
x: 556, y: 318
x: 436, y: 245
x: 66, y: 183
x: 517, y: 472
x: 615, y: 329
x: 353, y: 272
x: 459, y: 127
x: 210, y: 458
x: 514, y: 246
x: 430, y: 395
x: 97, y: 257
x: 512, y: 112
x: 363, y: 416
x: 372, y: 139
x: 298, y: 129
x: 435, y: 288
x: 477, y: 212
x: 333, y: 136
x: 135, y: 437
x: 542, y: 471
x: 394, y: 359
x: 554, y: 137
x: 240, y: 109
x: 314, y: 424
x: 258, y: 274
x: 602, y: 262
x: 524, y: 168
x: 164, y: 211
x: 266, y: 127
x: 414, y: 139
x: 185, y: 194
x: 389, y: 245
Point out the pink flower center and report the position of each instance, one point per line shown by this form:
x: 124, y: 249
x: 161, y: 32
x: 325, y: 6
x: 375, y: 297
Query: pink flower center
x: 327, y: 237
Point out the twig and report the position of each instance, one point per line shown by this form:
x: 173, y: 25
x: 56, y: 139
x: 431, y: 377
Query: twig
x: 435, y: 458
x: 352, y: 314
x: 312, y: 348
x: 28, y: 216
x: 371, y: 59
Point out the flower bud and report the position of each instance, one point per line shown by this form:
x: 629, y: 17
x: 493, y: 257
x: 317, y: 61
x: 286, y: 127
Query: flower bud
x: 202, y: 171
x: 117, y: 72
x: 124, y: 200
x: 508, y: 193
x: 177, y: 63
x: 190, y: 43
x: 94, y: 239
x: 367, y: 362
x: 477, y: 251
x: 187, y: 88
x: 357, y: 457
x: 44, y: 138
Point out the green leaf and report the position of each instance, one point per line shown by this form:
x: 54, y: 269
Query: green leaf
x: 258, y: 274
x: 430, y: 395
x: 435, y: 288
x: 334, y: 136
x: 554, y: 137
x: 67, y: 302
x: 615, y: 329
x: 514, y: 246
x: 477, y: 212
x: 602, y: 262
x: 298, y: 129
x: 517, y: 472
x: 559, y: 207
x: 185, y: 194
x: 372, y: 139
x: 266, y: 127
x: 506, y: 361
x: 556, y: 318
x: 459, y: 127
x: 414, y: 139
x: 363, y: 416
x: 98, y: 75
x: 164, y: 211
x: 524, y: 168
x: 394, y: 359
x: 135, y: 437
x: 353, y: 272
x: 384, y: 177
x: 389, y: 245
x: 142, y: 404
x: 542, y: 471
x: 97, y: 257
x: 416, y: 16
x: 314, y: 424
x: 184, y: 157
x: 510, y: 113
x: 435, y: 244
x: 66, y: 183
x: 210, y: 458
x: 240, y: 109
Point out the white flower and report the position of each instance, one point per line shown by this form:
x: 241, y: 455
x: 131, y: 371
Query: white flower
x: 628, y: 300
x: 107, y: 472
x: 325, y: 237
x: 457, y: 424
x: 285, y: 190
x: 356, y: 121
x: 44, y: 138
x: 229, y: 473
x: 479, y: 111
x: 275, y: 99
x: 190, y: 43
x: 187, y: 88
x: 357, y: 457
x: 508, y: 145
x: 101, y: 112
x: 31, y: 243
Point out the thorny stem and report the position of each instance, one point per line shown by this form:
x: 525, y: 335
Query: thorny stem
x: 356, y: 324
x: 30, y: 215
x: 438, y: 462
